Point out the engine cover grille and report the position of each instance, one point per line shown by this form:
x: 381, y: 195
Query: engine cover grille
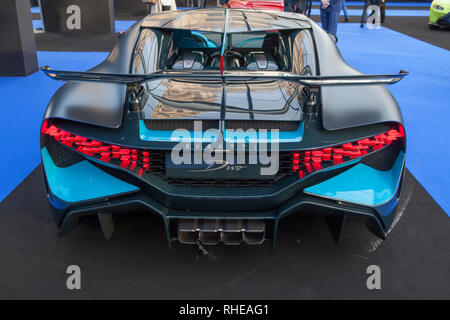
x: 171, y: 125
x: 262, y: 125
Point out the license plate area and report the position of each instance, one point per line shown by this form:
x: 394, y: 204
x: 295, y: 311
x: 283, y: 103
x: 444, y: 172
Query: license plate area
x: 221, y: 169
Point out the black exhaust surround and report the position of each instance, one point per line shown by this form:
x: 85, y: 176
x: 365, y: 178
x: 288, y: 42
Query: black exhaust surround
x: 228, y: 231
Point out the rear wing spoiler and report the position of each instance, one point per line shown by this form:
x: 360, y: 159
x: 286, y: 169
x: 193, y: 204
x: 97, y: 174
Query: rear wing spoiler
x: 227, y: 76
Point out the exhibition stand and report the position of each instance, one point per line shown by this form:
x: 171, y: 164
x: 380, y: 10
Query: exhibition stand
x: 18, y: 48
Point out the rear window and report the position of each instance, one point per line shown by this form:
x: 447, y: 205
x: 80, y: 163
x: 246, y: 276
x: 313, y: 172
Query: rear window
x: 191, y: 50
x: 255, y: 40
x: 188, y: 39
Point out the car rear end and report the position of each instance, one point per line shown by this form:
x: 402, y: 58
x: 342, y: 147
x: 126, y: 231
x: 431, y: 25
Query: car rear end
x: 359, y: 176
x: 257, y: 150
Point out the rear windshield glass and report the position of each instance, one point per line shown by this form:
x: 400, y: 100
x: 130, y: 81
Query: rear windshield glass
x: 190, y: 50
x: 188, y: 39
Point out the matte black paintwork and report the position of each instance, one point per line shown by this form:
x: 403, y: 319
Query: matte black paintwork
x: 98, y: 104
x: 345, y: 107
x: 97, y: 111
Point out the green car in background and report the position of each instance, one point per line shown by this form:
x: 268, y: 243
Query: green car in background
x: 439, y: 14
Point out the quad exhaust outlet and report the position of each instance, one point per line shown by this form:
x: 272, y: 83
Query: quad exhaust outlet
x: 228, y: 231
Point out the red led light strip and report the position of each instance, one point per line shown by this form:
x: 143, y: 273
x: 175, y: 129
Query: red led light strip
x: 306, y: 162
x: 126, y: 158
x: 303, y: 162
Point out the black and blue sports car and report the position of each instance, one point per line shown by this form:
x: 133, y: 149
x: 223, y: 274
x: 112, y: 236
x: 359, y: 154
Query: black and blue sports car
x: 223, y: 122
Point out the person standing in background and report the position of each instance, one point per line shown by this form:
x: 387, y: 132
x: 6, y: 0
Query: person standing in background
x: 168, y: 5
x: 383, y: 10
x: 308, y: 11
x: 289, y: 5
x: 302, y: 6
x: 150, y: 3
x: 344, y: 9
x: 329, y: 14
x: 156, y: 6
x: 298, y: 6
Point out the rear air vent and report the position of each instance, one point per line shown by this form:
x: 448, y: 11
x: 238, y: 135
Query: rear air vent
x: 259, y: 125
x: 170, y: 125
x: 384, y: 159
x: 62, y: 157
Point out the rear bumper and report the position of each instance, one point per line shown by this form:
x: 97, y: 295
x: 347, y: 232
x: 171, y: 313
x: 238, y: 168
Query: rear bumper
x: 301, y: 204
x: 302, y: 197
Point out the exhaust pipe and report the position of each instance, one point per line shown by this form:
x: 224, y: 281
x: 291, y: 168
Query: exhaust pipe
x: 255, y: 232
x: 228, y: 231
x: 232, y: 232
x: 187, y: 231
x: 208, y: 233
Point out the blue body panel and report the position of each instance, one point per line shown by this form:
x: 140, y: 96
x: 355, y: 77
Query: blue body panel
x: 81, y: 181
x: 362, y: 185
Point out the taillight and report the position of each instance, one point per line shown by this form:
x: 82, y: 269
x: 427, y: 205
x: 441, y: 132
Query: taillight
x: 309, y: 161
x: 127, y: 158
x: 304, y: 162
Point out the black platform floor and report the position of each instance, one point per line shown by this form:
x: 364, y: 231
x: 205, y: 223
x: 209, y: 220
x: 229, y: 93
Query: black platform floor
x: 307, y: 264
x: 417, y: 27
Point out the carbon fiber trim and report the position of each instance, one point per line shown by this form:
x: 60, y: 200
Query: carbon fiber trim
x: 258, y: 125
x: 170, y: 125
x: 384, y: 159
x: 62, y: 156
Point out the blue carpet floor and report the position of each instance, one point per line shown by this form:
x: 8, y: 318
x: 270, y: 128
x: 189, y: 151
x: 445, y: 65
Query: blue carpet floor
x: 24, y: 103
x: 423, y: 97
